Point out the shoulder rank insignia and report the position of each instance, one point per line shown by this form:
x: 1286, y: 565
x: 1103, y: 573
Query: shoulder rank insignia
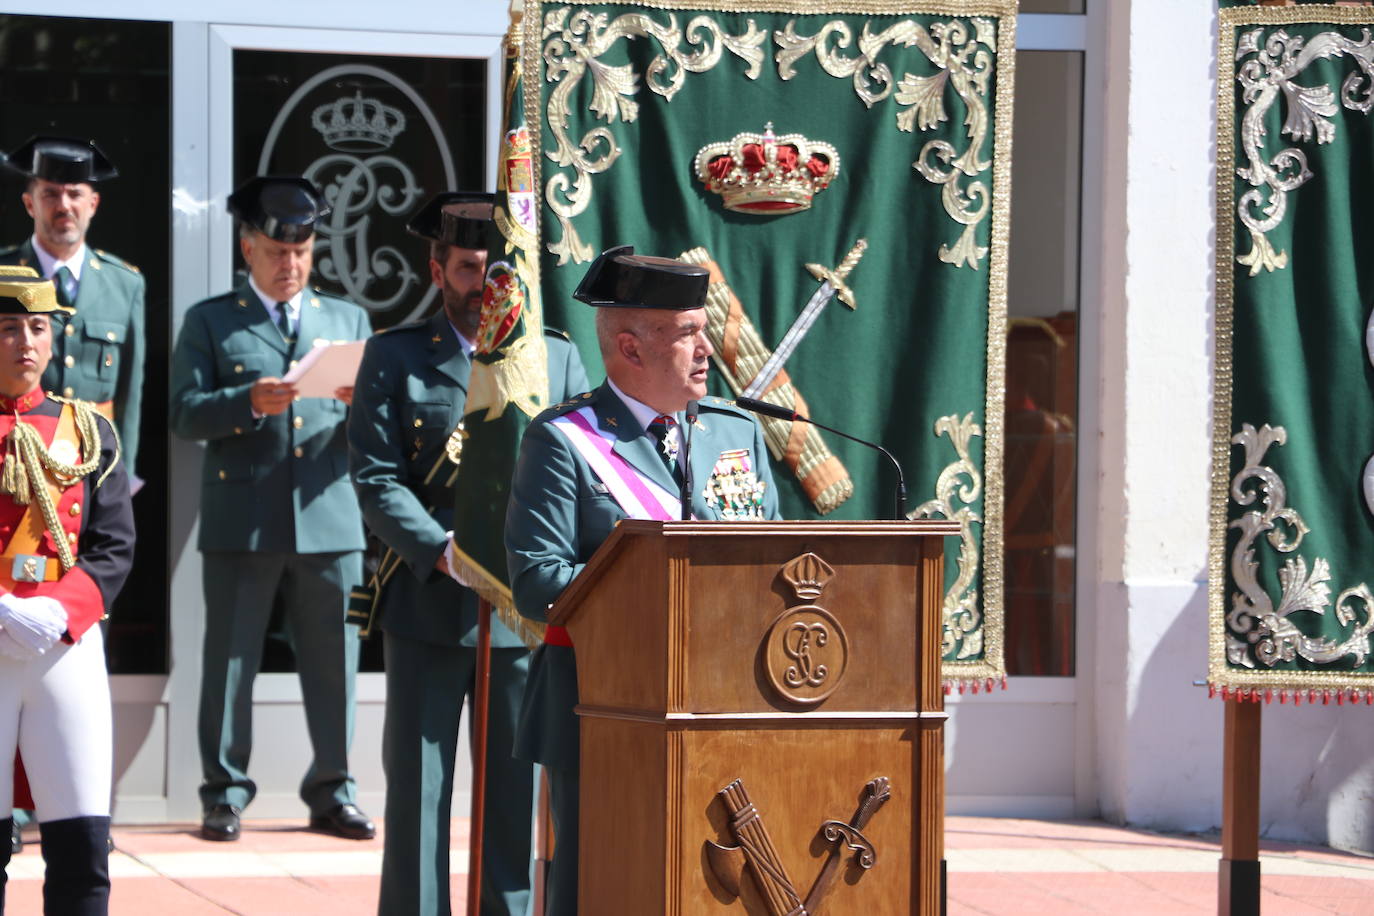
x: 115, y: 260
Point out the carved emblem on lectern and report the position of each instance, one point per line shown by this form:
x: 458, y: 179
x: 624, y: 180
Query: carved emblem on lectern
x: 754, y: 849
x: 805, y: 650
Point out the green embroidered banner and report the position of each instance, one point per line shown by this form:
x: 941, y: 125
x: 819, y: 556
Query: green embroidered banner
x: 509, y: 384
x: 765, y: 140
x: 1292, y: 540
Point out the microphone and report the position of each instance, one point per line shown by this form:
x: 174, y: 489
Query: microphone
x: 778, y: 412
x: 685, y: 495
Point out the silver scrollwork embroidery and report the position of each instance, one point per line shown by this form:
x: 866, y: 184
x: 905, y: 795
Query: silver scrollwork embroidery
x: 959, y: 482
x: 573, y: 47
x: 1257, y: 633
x: 1272, y: 72
x: 964, y: 60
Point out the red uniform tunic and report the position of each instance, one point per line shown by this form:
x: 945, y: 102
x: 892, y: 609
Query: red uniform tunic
x: 103, y: 548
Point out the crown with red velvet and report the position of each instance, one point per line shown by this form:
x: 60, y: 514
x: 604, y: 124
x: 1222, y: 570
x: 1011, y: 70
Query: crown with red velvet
x: 767, y: 174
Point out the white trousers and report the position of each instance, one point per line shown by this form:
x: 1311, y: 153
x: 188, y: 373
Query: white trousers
x: 56, y: 710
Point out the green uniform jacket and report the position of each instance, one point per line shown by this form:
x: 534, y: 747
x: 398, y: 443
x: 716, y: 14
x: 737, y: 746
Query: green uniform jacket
x: 559, y: 514
x: 411, y: 390
x: 271, y: 484
x: 98, y: 353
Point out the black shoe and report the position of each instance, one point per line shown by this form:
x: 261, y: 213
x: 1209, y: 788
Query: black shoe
x: 221, y: 823
x: 345, y: 821
x: 16, y: 839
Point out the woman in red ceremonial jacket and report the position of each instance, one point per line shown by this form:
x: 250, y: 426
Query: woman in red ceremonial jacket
x: 66, y: 527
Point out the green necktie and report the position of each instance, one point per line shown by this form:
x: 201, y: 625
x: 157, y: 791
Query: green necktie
x: 284, y: 323
x: 65, y: 283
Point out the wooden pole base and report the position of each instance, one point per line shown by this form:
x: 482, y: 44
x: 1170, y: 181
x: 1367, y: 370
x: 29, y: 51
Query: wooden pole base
x: 480, y: 705
x: 1238, y: 884
x: 1238, y: 887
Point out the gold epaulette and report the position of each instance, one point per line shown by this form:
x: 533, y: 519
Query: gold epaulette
x: 86, y: 413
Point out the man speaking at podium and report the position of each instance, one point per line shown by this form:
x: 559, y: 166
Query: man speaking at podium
x: 618, y: 452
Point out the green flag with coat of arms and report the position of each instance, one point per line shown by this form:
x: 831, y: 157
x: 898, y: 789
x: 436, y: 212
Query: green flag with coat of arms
x: 788, y: 144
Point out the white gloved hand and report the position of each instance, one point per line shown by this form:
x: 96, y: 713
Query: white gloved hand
x: 36, y: 623
x: 11, y: 649
x: 448, y: 561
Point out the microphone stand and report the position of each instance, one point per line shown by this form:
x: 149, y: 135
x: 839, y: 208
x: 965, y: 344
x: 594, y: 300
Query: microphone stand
x: 685, y: 494
x: 782, y: 413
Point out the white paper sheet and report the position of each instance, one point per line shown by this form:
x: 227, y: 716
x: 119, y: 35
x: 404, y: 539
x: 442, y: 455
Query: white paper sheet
x: 327, y: 367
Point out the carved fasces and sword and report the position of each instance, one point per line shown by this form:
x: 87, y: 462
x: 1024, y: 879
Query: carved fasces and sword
x: 755, y: 849
x: 832, y: 286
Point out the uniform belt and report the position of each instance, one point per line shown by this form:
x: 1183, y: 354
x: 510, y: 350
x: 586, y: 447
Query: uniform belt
x: 557, y: 636
x: 29, y: 568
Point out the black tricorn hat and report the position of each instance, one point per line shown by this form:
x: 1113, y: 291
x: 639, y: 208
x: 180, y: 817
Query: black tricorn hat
x: 461, y: 218
x: 619, y: 278
x: 281, y: 207
x: 24, y: 292
x: 64, y: 160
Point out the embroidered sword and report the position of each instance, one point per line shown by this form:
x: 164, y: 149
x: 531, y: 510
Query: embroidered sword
x: 832, y: 286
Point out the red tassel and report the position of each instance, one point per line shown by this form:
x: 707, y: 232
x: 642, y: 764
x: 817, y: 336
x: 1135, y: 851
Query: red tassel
x: 1340, y: 697
x: 1211, y: 691
x: 1225, y: 694
x: 1004, y: 682
x: 1283, y: 697
x: 948, y: 689
x: 1268, y: 697
x: 1297, y: 697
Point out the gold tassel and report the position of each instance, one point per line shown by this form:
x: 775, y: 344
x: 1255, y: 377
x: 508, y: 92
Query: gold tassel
x: 14, y: 477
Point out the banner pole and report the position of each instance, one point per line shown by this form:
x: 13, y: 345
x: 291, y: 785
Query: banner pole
x: 480, y: 707
x: 543, y: 845
x: 1238, y: 879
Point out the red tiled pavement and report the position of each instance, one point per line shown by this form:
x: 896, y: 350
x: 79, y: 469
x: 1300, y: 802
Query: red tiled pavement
x: 1000, y: 866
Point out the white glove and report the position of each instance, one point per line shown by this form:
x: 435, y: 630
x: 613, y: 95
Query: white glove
x: 448, y: 561
x: 36, y: 623
x: 11, y: 649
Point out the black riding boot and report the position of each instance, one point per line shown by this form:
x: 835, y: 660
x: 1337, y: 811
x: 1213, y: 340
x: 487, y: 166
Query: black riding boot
x: 77, y: 854
x: 5, y: 827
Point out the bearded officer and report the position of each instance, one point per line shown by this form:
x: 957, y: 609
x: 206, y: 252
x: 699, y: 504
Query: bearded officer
x: 278, y: 517
x: 97, y: 353
x: 68, y: 533
x: 651, y: 327
x: 412, y: 388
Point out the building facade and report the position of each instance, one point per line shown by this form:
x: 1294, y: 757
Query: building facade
x: 1109, y: 368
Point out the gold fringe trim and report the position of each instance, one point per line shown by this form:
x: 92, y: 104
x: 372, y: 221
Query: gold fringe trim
x: 497, y: 594
x: 823, y: 7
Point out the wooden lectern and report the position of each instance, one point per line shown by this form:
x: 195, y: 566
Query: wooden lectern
x: 761, y: 717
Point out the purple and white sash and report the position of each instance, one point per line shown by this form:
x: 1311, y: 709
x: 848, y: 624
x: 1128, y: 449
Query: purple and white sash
x: 638, y: 495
